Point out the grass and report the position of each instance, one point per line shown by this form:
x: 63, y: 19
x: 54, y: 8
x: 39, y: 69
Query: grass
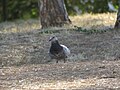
x: 23, y: 41
x: 93, y: 64
x: 95, y: 21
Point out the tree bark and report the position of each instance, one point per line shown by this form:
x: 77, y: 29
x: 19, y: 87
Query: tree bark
x: 117, y: 23
x: 53, y: 13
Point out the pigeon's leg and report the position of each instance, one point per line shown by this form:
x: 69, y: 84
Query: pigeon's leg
x: 56, y: 61
x: 65, y: 60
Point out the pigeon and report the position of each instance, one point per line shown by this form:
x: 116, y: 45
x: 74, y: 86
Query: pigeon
x: 58, y: 51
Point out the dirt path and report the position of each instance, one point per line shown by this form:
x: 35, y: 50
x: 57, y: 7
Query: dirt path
x: 87, y: 75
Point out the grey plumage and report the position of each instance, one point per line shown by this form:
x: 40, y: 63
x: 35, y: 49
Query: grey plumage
x: 58, y: 51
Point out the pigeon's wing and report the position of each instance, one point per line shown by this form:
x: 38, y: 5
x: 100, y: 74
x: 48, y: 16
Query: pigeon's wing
x: 66, y: 50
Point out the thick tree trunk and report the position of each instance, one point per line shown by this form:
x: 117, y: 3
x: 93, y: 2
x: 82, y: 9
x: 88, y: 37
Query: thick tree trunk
x: 117, y: 23
x: 53, y: 13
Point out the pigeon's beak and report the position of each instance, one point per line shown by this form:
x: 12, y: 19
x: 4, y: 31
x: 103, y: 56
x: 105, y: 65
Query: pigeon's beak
x: 51, y: 39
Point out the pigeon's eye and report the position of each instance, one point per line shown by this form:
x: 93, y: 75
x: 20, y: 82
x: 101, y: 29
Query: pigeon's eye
x: 53, y: 37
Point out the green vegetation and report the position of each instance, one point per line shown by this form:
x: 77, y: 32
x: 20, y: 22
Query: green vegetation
x: 25, y: 9
x: 22, y: 9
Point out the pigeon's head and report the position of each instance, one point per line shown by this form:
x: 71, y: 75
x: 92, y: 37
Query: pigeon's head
x: 52, y: 39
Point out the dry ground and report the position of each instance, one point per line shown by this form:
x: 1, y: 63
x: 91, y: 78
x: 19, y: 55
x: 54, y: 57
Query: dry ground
x: 83, y: 75
x: 93, y: 65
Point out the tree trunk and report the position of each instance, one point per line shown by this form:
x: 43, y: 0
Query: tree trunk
x: 117, y: 23
x: 53, y: 13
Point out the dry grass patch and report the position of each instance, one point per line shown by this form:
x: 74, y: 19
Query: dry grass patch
x: 95, y: 21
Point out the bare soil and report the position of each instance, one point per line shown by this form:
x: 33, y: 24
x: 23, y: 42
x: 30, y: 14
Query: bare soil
x: 82, y: 75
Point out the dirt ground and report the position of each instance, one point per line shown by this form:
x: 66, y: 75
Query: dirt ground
x: 82, y: 75
x: 93, y: 64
